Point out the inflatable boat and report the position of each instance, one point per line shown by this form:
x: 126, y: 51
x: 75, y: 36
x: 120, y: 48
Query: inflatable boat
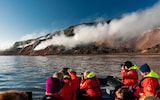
x: 107, y: 86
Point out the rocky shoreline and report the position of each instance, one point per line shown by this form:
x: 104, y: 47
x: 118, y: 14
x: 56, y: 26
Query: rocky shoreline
x: 146, y: 43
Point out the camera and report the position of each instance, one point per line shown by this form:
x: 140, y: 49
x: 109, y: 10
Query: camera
x: 122, y: 66
x: 65, y: 71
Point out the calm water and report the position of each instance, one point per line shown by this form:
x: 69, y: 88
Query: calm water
x: 28, y: 73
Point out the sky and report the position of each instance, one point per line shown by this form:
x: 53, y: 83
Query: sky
x: 26, y: 19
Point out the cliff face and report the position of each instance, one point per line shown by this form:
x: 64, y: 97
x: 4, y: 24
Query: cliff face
x: 147, y: 42
x: 148, y: 39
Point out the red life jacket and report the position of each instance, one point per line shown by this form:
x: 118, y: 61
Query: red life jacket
x: 69, y: 88
x: 91, y: 87
x: 148, y: 85
x: 129, y: 78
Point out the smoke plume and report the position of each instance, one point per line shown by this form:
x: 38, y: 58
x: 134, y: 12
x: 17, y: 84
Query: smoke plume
x: 129, y: 26
x: 6, y: 45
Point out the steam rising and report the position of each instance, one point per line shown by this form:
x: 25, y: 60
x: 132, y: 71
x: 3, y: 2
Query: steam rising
x: 133, y: 24
x: 6, y: 45
x: 84, y: 35
x: 129, y: 26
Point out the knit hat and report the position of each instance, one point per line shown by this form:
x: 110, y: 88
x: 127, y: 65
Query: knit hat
x: 128, y: 64
x: 53, y: 85
x: 144, y: 68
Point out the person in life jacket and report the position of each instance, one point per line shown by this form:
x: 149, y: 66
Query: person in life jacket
x: 149, y: 82
x: 129, y: 74
x: 53, y: 87
x: 91, y: 85
x: 70, y: 85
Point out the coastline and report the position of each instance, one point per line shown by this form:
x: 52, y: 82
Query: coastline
x: 127, y: 54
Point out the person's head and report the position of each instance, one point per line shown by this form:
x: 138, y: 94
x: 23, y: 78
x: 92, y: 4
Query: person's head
x: 85, y: 74
x: 128, y: 64
x: 53, y: 85
x: 88, y: 74
x: 58, y: 75
x: 151, y: 98
x: 144, y: 69
x: 65, y: 70
x: 124, y: 93
x: 14, y: 95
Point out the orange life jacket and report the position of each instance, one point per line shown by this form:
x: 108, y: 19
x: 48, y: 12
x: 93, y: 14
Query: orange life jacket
x: 91, y: 87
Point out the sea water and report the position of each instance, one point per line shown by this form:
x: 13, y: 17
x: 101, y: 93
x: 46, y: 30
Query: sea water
x: 29, y: 73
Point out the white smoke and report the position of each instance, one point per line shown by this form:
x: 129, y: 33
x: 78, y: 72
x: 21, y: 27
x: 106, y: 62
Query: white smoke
x: 6, y: 45
x: 84, y: 35
x: 135, y: 23
x: 129, y: 26
x: 57, y: 40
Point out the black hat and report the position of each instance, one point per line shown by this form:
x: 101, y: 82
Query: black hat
x: 128, y: 64
x: 65, y: 71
